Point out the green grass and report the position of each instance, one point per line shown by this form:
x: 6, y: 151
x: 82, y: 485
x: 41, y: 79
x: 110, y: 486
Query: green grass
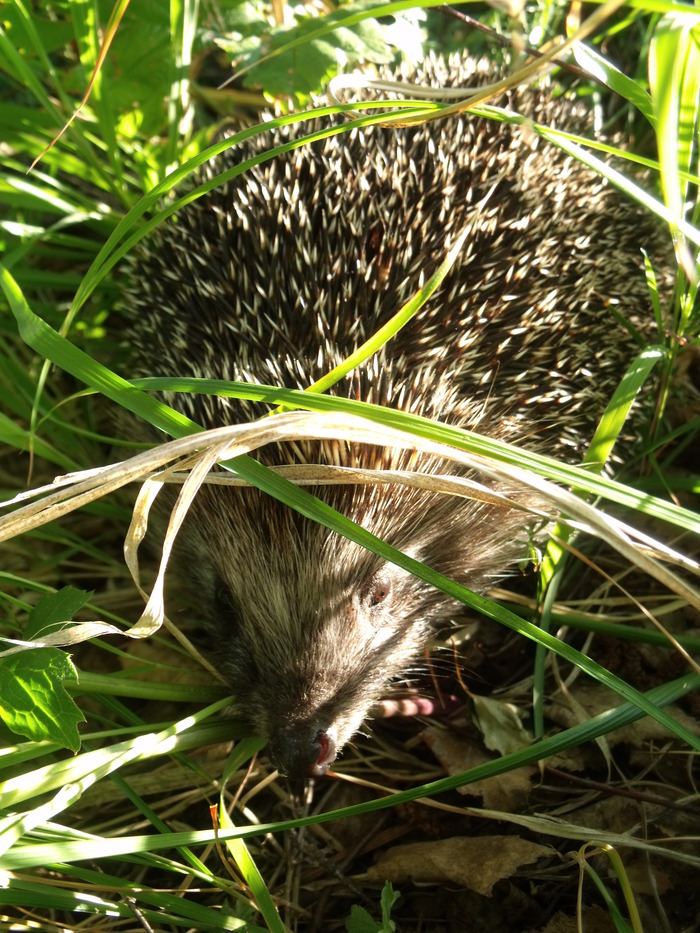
x: 121, y: 830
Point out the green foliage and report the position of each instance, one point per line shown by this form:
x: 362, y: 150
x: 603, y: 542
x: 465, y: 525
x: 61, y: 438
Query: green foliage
x: 294, y: 61
x: 64, y: 227
x: 53, y: 611
x: 360, y: 920
x: 33, y: 700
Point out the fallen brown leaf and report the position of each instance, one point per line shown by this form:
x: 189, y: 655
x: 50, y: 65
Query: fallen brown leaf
x: 474, y: 862
x: 506, y: 792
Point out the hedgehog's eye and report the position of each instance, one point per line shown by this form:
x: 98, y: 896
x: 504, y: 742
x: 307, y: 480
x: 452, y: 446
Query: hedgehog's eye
x: 379, y: 590
x: 225, y: 607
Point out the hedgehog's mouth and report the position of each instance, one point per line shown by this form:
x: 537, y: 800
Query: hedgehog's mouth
x: 326, y: 743
x: 298, y: 752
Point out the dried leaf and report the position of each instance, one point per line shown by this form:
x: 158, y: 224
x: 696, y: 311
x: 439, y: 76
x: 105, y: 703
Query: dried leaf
x: 596, y: 699
x: 592, y: 918
x: 506, y: 792
x: 475, y: 863
x: 500, y: 725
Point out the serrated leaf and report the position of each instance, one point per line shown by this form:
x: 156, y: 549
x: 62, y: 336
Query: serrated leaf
x: 297, y: 72
x: 53, y: 610
x: 298, y: 60
x: 33, y: 700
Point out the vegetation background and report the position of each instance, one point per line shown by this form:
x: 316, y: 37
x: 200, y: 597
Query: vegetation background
x: 541, y: 816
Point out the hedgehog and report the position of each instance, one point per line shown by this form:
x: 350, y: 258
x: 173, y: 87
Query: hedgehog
x: 277, y: 276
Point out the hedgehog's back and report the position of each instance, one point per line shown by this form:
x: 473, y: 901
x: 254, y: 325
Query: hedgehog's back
x: 277, y: 276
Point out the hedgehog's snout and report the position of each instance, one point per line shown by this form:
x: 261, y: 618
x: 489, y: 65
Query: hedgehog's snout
x: 303, y: 750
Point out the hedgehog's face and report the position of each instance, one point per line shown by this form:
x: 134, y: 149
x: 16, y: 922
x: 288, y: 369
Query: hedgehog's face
x: 308, y: 628
x: 308, y: 656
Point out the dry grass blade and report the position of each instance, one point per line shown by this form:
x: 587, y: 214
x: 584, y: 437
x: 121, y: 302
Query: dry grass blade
x: 199, y: 453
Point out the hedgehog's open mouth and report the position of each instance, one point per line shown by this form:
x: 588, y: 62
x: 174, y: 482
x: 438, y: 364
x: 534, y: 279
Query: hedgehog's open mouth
x: 300, y: 753
x: 326, y: 743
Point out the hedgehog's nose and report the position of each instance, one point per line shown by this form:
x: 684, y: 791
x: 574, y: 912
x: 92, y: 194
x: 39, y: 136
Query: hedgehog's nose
x: 297, y: 753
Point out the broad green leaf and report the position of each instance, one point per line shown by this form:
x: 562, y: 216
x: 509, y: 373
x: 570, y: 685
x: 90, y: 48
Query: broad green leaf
x: 33, y: 699
x: 298, y: 60
x: 53, y: 610
x: 360, y: 921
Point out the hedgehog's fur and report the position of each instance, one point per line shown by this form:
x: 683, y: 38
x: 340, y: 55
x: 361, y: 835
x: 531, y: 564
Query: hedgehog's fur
x: 278, y: 276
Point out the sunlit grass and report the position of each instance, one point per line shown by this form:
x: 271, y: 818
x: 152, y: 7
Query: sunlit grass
x: 135, y: 799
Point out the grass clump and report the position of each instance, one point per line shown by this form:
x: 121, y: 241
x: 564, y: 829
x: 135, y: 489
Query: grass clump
x: 107, y: 771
